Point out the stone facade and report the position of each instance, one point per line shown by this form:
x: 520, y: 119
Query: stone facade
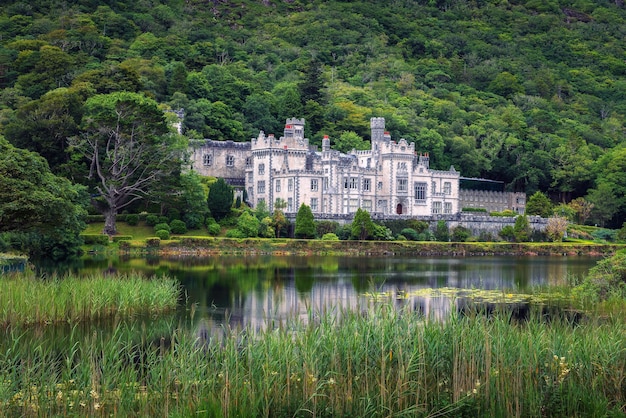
x: 390, y: 179
x: 493, y: 201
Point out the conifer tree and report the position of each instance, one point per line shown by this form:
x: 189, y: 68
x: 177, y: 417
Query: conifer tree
x: 305, y: 223
x: 220, y: 199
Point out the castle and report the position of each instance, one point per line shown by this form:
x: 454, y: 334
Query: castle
x: 389, y: 180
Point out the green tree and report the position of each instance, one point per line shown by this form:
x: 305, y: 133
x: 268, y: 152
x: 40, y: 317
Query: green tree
x: 539, y: 204
x: 604, y: 201
x: 442, y: 233
x: 305, y: 223
x: 44, y: 211
x: 349, y: 140
x: 192, y: 200
x: 362, y: 225
x: 261, y: 211
x: 556, y: 228
x: 521, y: 228
x: 125, y: 138
x: 220, y: 200
x: 248, y: 224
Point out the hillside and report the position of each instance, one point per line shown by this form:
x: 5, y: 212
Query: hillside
x: 531, y: 93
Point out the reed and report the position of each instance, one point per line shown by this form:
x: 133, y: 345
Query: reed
x: 378, y: 362
x: 27, y: 300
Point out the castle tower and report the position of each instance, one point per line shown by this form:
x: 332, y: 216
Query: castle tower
x: 326, y: 143
x: 377, y: 126
x: 294, y: 128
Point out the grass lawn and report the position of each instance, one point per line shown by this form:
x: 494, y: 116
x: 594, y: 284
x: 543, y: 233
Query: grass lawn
x: 138, y: 232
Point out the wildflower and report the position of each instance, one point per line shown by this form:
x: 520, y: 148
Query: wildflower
x: 97, y: 406
x: 331, y: 381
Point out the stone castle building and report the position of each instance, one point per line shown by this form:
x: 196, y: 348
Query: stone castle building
x: 390, y: 179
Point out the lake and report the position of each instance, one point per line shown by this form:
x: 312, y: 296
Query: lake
x: 260, y: 290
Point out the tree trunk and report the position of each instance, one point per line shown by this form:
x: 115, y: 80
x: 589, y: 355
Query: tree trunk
x: 109, y: 222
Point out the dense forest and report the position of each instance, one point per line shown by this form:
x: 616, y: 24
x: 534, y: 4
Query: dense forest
x: 531, y: 93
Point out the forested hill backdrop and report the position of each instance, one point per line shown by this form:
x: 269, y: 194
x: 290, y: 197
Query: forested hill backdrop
x: 532, y: 93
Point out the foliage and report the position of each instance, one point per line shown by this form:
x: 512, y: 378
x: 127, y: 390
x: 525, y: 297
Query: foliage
x: 556, y: 228
x: 213, y: 228
x: 460, y: 234
x: 220, y: 199
x: 44, y: 212
x: 178, y: 227
x: 442, y: 233
x: 305, y: 223
x: 532, y: 93
x: 125, y: 139
x: 410, y: 234
x: 507, y: 233
x: 539, y: 204
x: 329, y: 236
x: 362, y: 225
x: 279, y: 222
x: 152, y: 220
x: 132, y: 219
x: 325, y: 227
x: 162, y: 227
x: 606, y: 279
x: 162, y: 234
x: 521, y: 229
x: 248, y: 225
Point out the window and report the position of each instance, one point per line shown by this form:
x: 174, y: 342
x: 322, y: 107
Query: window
x: 230, y: 161
x: 314, y: 204
x: 354, y: 205
x: 447, y: 187
x: 366, y: 185
x: 207, y: 159
x: 380, y: 185
x: 261, y: 168
x: 290, y: 204
x: 290, y: 185
x: 354, y: 183
x: 402, y: 166
x: 447, y: 207
x: 420, y: 192
x: 433, y: 185
x: 436, y: 207
x: 345, y: 182
x: 367, y: 205
x: 325, y: 184
x: 248, y: 162
x: 314, y: 185
x: 260, y: 188
x: 277, y: 185
x: 402, y: 185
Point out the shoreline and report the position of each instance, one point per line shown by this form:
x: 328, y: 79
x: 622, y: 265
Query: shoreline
x: 210, y: 246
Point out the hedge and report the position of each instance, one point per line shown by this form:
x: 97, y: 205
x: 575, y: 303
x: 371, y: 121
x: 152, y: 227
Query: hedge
x: 95, y: 239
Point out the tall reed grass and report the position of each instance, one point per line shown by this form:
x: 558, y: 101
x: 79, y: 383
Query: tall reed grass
x: 26, y: 299
x: 382, y: 362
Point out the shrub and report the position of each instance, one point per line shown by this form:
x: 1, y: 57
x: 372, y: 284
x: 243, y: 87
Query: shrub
x: 178, y: 227
x: 153, y: 242
x: 324, y: 227
x: 235, y: 233
x: 460, y: 234
x: 95, y: 239
x: 480, y: 210
x: 132, y: 219
x: 604, y: 235
x: 214, y: 228
x: 401, y: 238
x: 173, y: 214
x: 410, y: 234
x: 164, y: 220
x: 193, y: 220
x: 152, y: 220
x: 118, y: 238
x: 329, y: 236
x: 162, y: 234
x: 162, y: 227
x: 124, y: 245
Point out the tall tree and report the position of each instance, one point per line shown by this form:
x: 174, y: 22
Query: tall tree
x: 305, y: 222
x: 126, y: 140
x: 362, y: 225
x: 220, y: 199
x: 46, y: 212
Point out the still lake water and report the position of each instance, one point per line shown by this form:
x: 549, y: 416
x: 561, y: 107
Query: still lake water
x: 260, y: 291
